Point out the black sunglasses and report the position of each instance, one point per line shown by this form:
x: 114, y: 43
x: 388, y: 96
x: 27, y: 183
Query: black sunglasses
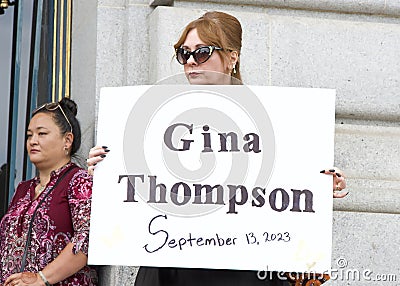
x: 52, y: 106
x: 200, y: 55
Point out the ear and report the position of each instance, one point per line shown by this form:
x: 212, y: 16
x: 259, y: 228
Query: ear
x: 68, y: 140
x: 233, y: 58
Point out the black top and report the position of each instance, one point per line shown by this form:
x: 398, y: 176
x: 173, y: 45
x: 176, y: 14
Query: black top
x: 153, y: 276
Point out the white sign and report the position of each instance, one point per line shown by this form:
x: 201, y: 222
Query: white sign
x: 224, y: 177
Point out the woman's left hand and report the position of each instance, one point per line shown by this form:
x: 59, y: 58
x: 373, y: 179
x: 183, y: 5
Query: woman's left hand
x: 339, y: 182
x: 24, y: 279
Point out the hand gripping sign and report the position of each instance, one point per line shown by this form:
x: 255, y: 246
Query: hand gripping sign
x: 214, y: 177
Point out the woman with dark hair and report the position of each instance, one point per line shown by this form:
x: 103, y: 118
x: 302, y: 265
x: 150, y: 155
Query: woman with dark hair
x: 44, y: 234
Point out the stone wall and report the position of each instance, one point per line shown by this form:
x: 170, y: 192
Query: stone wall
x: 351, y: 46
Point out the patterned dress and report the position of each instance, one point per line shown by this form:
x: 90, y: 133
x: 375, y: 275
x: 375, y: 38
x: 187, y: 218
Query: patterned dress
x: 63, y: 217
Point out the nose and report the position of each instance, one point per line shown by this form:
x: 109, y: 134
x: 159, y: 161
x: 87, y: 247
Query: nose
x: 191, y: 61
x: 32, y: 140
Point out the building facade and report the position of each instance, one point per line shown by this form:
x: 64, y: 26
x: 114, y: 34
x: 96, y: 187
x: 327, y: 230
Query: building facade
x: 351, y: 46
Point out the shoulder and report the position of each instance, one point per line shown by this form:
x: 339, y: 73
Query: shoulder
x: 25, y: 184
x: 23, y: 188
x: 81, y: 176
x: 81, y: 183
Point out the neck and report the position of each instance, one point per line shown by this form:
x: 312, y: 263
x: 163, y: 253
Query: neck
x: 44, y: 173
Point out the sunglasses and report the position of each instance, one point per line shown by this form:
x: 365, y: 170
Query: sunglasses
x: 52, y: 106
x: 200, y: 55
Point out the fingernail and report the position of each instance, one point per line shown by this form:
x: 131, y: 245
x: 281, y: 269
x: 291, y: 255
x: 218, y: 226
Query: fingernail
x: 338, y: 174
x: 94, y: 164
x: 332, y: 170
x: 323, y: 171
x: 104, y: 147
x: 103, y: 156
x: 106, y: 150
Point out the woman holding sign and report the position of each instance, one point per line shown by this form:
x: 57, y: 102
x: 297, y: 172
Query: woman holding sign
x: 209, y: 50
x: 44, y: 234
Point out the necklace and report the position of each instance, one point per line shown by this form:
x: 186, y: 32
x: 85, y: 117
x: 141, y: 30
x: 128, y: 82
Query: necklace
x: 42, y: 187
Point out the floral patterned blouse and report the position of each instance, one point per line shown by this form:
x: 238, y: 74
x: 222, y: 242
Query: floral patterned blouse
x: 63, y: 217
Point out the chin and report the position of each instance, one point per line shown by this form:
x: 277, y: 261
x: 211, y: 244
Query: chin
x: 35, y: 162
x: 198, y: 81
x: 34, y: 159
x: 211, y: 79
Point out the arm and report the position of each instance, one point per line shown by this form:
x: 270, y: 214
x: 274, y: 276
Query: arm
x: 66, y: 264
x: 74, y: 256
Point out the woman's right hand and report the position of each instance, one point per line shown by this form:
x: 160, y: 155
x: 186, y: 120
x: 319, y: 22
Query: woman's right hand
x: 96, y: 155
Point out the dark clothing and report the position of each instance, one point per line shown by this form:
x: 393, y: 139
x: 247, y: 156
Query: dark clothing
x: 153, y: 276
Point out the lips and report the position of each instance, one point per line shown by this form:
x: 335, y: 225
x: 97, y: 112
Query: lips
x: 34, y: 151
x: 193, y: 74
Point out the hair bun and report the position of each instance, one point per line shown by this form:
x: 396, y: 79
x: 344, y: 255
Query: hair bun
x: 69, y: 104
